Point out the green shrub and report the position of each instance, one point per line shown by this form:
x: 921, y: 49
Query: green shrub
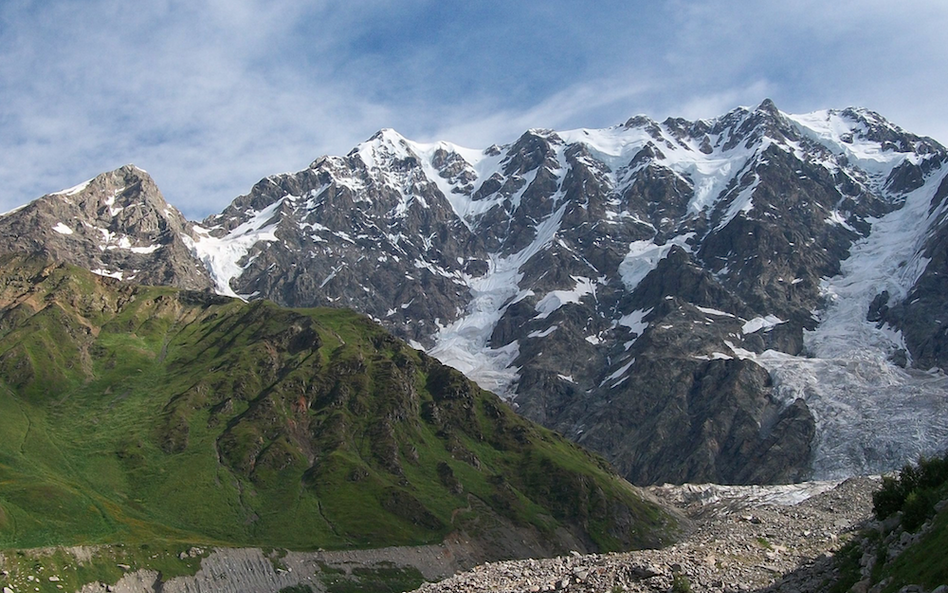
x: 918, y: 507
x: 680, y: 583
x: 932, y: 472
x: 889, y: 499
x: 913, y: 492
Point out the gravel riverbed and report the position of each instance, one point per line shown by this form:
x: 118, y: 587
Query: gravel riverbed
x: 745, y: 539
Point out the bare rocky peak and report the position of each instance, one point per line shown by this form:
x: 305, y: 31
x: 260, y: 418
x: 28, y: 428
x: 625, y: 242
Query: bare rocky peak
x: 117, y: 224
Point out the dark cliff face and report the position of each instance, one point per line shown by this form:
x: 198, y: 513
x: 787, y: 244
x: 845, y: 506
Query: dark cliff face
x: 620, y: 284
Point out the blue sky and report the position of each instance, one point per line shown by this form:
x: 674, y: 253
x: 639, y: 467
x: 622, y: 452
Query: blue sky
x: 209, y: 96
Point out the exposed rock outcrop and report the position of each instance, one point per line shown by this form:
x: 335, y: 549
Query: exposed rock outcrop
x: 117, y: 224
x: 597, y: 277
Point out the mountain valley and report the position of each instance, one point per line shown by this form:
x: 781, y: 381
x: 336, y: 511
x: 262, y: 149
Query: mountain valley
x: 750, y: 299
x: 156, y: 416
x: 360, y: 371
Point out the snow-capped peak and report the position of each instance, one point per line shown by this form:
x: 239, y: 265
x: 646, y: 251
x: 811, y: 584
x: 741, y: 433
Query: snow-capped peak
x: 606, y: 278
x: 382, y: 148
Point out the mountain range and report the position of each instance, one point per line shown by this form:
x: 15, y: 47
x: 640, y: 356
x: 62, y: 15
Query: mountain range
x: 754, y: 298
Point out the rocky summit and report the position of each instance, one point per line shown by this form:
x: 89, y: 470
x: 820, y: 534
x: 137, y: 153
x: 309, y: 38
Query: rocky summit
x: 753, y: 298
x: 116, y: 225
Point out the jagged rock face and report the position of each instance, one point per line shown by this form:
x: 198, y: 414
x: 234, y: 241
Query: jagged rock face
x: 620, y: 285
x: 117, y: 224
x: 727, y: 300
x: 368, y: 231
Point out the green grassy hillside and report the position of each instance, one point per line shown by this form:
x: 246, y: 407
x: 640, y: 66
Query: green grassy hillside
x: 140, y: 414
x: 907, y: 545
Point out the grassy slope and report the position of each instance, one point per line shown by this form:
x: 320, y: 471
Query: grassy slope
x: 137, y: 415
x: 924, y: 561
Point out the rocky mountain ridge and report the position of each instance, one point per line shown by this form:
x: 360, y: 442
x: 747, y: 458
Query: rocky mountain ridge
x: 753, y: 298
x: 133, y: 414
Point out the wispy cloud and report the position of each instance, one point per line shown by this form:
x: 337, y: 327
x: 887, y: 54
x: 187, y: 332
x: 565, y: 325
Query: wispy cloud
x: 200, y: 94
x: 597, y: 103
x: 211, y: 95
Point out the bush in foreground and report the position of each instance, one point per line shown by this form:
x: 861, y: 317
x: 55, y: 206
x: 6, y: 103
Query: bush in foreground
x: 914, y: 492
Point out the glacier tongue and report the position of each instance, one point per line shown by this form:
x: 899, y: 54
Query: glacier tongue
x: 867, y: 409
x: 464, y: 343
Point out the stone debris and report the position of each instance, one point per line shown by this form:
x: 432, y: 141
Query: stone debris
x: 244, y: 570
x: 893, y: 541
x: 738, y: 545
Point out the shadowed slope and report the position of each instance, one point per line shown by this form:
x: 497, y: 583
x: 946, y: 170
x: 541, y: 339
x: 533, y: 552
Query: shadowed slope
x: 132, y: 413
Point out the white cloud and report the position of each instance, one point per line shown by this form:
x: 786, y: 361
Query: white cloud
x: 198, y: 95
x: 211, y: 96
x: 722, y: 101
x: 585, y: 104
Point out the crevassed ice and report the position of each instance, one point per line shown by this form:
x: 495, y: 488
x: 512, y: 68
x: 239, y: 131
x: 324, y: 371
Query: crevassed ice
x: 871, y: 415
x: 464, y: 343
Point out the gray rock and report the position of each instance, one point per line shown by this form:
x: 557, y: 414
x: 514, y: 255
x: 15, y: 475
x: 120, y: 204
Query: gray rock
x: 860, y: 587
x: 117, y: 224
x: 607, y: 353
